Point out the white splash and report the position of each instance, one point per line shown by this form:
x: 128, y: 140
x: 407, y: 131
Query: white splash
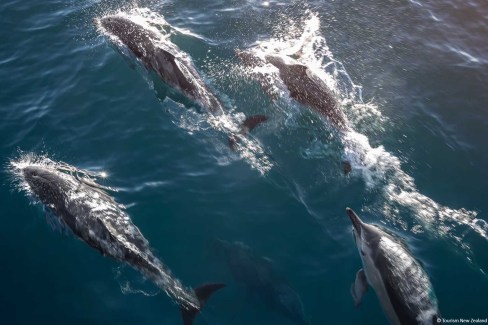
x: 16, y: 167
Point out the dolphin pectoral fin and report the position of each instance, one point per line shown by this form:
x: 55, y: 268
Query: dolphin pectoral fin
x: 253, y: 121
x: 359, y: 287
x: 203, y: 292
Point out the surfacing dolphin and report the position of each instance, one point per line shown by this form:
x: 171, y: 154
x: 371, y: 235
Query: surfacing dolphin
x: 172, y: 65
x: 95, y: 218
x: 401, y: 284
x: 303, y: 85
x: 261, y: 278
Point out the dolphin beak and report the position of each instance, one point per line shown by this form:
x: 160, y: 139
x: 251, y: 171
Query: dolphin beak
x: 356, y: 222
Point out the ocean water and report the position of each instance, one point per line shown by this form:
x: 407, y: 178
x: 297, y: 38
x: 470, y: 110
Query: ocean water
x: 411, y: 76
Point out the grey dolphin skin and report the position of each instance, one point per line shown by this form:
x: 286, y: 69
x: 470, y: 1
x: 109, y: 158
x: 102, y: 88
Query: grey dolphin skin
x: 304, y: 86
x: 401, y: 284
x: 95, y: 218
x: 260, y: 277
x: 172, y: 65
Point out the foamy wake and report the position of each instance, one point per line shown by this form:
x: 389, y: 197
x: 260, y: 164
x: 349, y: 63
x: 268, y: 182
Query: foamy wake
x: 228, y: 123
x: 379, y: 168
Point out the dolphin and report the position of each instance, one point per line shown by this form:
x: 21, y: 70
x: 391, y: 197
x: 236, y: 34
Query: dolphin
x: 260, y: 277
x: 95, y: 218
x: 171, y: 64
x: 303, y: 85
x: 401, y: 284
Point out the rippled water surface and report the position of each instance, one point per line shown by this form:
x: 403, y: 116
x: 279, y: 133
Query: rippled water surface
x: 410, y: 76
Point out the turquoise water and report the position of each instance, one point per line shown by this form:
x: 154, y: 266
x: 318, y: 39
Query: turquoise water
x: 417, y: 72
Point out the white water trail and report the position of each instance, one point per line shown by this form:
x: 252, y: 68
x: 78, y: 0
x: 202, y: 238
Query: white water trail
x: 381, y: 170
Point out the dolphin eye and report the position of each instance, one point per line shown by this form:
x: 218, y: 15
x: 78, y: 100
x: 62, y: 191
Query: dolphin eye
x: 362, y: 253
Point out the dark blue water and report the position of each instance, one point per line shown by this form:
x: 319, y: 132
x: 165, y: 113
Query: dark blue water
x: 417, y: 74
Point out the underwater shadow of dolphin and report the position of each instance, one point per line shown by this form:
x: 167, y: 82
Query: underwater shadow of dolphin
x: 260, y: 277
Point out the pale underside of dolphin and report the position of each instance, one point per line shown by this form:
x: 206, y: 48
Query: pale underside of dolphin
x: 95, y: 218
x: 401, y: 284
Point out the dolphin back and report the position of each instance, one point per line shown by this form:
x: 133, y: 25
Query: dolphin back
x: 407, y: 284
x: 159, y: 54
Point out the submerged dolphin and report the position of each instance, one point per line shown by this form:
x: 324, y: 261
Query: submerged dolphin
x: 95, y: 218
x: 401, y: 284
x: 171, y: 64
x: 303, y: 85
x: 258, y: 274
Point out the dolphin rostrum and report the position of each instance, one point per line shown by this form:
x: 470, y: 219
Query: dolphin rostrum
x: 95, y: 218
x: 401, y: 284
x: 170, y: 63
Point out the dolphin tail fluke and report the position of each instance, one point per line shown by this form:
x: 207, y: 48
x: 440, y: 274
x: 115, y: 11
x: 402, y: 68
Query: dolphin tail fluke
x: 202, y: 292
x: 247, y: 126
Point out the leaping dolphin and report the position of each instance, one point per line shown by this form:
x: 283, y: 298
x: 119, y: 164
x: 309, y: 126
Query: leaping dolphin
x: 401, y: 284
x: 171, y: 64
x: 95, y: 218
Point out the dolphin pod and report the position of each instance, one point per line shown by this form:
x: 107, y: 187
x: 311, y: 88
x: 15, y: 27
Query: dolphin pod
x: 95, y: 218
x: 402, y: 286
